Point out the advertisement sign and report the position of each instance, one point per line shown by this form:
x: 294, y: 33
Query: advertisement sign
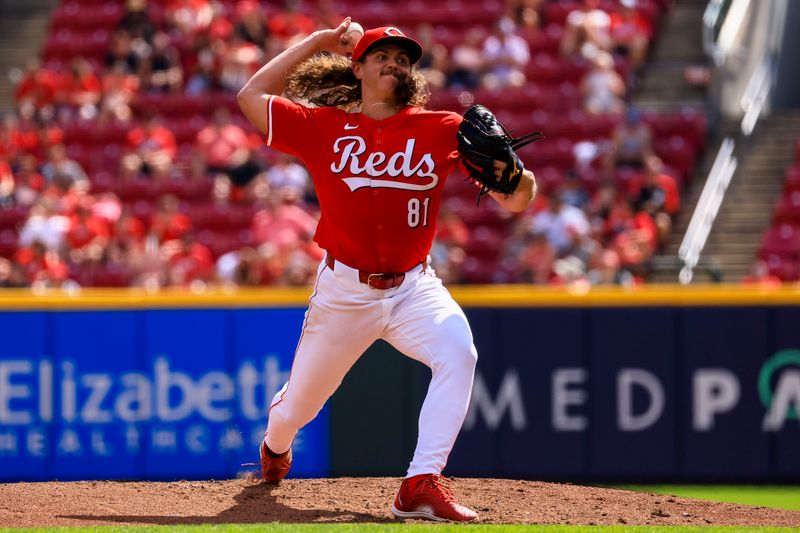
x: 146, y: 394
x: 694, y: 394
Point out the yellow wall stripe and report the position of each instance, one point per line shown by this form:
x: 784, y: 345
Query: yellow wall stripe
x: 467, y: 296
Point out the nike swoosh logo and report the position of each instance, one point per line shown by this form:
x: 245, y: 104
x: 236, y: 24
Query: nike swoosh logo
x: 350, y: 126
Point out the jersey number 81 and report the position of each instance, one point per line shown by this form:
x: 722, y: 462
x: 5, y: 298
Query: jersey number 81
x: 414, y: 212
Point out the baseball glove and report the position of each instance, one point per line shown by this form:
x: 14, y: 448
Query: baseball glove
x: 482, y: 140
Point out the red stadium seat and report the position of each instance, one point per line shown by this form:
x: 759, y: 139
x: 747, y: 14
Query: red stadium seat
x: 791, y: 181
x: 782, y: 240
x: 13, y: 217
x: 9, y: 242
x: 783, y: 268
x: 787, y: 210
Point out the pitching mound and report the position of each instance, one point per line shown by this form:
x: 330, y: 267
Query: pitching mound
x: 92, y: 503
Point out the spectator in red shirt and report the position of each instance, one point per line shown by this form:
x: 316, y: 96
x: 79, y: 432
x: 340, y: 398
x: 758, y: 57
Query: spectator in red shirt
x: 6, y: 185
x: 190, y: 17
x: 168, y: 222
x: 38, y: 86
x: 81, y: 88
x: 290, y: 24
x: 152, y: 150
x: 88, y: 236
x: 222, y: 145
x: 187, y: 261
x: 119, y: 89
x: 658, y: 196
x: 283, y: 223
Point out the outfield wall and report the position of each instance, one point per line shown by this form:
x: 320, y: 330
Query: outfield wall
x: 661, y: 383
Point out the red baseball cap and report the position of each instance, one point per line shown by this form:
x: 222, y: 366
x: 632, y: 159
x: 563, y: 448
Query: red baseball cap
x: 387, y: 35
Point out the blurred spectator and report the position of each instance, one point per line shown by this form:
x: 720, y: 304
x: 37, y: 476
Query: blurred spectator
x: 602, y: 88
x: 119, y: 88
x: 288, y: 178
x: 240, y: 268
x: 44, y: 226
x: 189, y: 17
x: 658, y: 196
x: 6, y: 185
x: 88, y: 234
x: 529, y: 24
x: 121, y: 53
x: 136, y: 22
x: 607, y: 271
x: 300, y: 268
x: 168, y: 223
x: 515, y: 9
x: 41, y: 266
x: 250, y: 22
x: 467, y: 61
x: 63, y: 171
x: 204, y: 77
x: 38, y: 87
x: 239, y: 60
x: 81, y: 88
x: 562, y: 223
x: 290, y: 24
x: 631, y: 143
x: 29, y: 183
x: 9, y: 137
x: 162, y: 70
x: 634, y: 235
x: 506, y: 54
x: 152, y: 150
x: 573, y: 192
x: 587, y: 31
x: 631, y: 32
x: 187, y: 261
x: 434, y: 61
x: 222, y: 145
x: 282, y: 223
x: 11, y: 275
x: 535, y: 258
x: 659, y: 190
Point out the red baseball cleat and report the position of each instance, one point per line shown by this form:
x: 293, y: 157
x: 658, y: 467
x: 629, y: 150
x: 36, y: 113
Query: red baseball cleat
x: 426, y: 496
x: 274, y: 467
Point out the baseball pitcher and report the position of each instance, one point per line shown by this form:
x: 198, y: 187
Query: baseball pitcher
x: 355, y: 116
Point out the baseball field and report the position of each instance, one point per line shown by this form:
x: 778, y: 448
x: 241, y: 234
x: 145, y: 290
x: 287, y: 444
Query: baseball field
x: 362, y: 504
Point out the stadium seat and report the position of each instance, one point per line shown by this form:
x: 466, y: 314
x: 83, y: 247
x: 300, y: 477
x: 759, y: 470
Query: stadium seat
x: 13, y: 217
x: 782, y: 240
x: 787, y: 210
x: 8, y: 242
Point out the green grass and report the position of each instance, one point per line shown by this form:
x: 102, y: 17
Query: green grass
x: 779, y: 497
x: 396, y: 528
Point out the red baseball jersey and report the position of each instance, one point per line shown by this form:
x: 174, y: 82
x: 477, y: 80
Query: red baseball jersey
x: 379, y: 182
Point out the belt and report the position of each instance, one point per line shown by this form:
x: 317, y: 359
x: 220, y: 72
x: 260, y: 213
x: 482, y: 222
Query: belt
x: 381, y: 281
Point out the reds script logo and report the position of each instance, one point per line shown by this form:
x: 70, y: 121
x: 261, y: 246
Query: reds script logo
x: 377, y: 164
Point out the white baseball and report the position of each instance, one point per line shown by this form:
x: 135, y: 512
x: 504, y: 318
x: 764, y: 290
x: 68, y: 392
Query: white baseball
x: 355, y: 26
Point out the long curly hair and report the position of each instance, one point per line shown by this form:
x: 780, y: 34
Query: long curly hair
x: 327, y: 80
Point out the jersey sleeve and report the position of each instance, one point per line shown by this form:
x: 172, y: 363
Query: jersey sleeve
x: 290, y: 126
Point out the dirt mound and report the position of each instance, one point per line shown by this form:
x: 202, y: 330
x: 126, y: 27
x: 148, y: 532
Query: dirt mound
x: 497, y: 501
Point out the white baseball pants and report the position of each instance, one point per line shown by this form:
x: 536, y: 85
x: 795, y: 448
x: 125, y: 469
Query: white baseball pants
x: 344, y: 318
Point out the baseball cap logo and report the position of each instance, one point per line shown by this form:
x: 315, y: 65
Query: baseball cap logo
x: 393, y: 32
